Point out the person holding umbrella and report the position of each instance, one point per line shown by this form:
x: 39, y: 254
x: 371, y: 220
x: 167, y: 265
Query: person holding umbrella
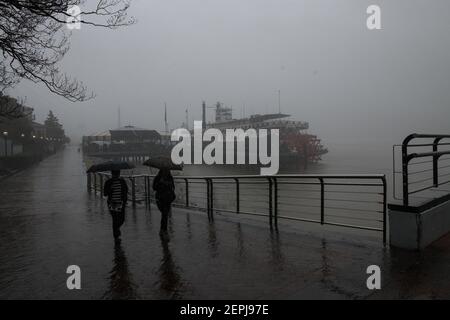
x: 164, y: 187
x: 116, y: 190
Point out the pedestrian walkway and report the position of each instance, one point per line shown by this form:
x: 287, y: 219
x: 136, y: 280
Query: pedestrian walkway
x: 48, y: 221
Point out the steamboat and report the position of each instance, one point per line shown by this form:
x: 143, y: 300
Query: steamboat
x: 298, y: 148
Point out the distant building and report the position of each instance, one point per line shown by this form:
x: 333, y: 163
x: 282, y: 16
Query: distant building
x: 132, y: 134
x: 39, y: 130
x: 166, y: 139
x: 127, y: 138
x: 97, y: 141
x: 104, y: 136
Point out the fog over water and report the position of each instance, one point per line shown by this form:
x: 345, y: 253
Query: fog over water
x: 360, y: 90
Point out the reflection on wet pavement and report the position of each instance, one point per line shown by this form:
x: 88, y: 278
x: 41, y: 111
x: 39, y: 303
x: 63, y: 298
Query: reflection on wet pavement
x: 48, y: 221
x: 169, y: 280
x: 121, y: 282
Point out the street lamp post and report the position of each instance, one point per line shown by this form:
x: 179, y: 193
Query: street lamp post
x: 5, y: 135
x: 22, y: 142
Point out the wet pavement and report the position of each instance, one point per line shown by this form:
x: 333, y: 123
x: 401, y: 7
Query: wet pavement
x: 48, y: 221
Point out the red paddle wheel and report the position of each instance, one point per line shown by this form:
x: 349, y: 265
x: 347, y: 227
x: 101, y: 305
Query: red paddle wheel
x: 305, y: 145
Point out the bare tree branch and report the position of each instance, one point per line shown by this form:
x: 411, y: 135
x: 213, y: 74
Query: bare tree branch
x: 34, y: 38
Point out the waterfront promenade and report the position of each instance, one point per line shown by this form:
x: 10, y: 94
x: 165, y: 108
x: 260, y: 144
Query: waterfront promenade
x: 48, y: 221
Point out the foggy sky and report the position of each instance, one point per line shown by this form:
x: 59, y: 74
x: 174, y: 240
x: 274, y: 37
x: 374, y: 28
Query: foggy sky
x: 348, y: 82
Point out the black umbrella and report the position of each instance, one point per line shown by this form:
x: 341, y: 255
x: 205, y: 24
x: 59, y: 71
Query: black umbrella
x: 162, y: 163
x: 110, y: 166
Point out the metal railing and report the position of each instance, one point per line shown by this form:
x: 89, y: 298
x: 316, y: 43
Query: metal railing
x: 353, y: 201
x: 425, y: 169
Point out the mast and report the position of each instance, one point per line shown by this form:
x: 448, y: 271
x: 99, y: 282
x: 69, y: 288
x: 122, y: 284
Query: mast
x: 118, y: 117
x: 166, y: 124
x: 203, y: 115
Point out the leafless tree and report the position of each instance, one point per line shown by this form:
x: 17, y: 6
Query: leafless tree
x: 34, y: 37
x: 7, y: 78
x: 11, y: 109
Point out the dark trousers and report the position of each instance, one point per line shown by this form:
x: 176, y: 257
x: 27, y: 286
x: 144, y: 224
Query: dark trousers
x: 118, y: 218
x: 165, y: 209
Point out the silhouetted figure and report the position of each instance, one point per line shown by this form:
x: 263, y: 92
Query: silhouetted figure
x: 116, y: 190
x: 165, y: 194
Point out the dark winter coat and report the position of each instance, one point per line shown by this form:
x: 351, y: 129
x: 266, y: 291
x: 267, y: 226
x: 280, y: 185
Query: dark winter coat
x: 107, y: 192
x: 164, y: 187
